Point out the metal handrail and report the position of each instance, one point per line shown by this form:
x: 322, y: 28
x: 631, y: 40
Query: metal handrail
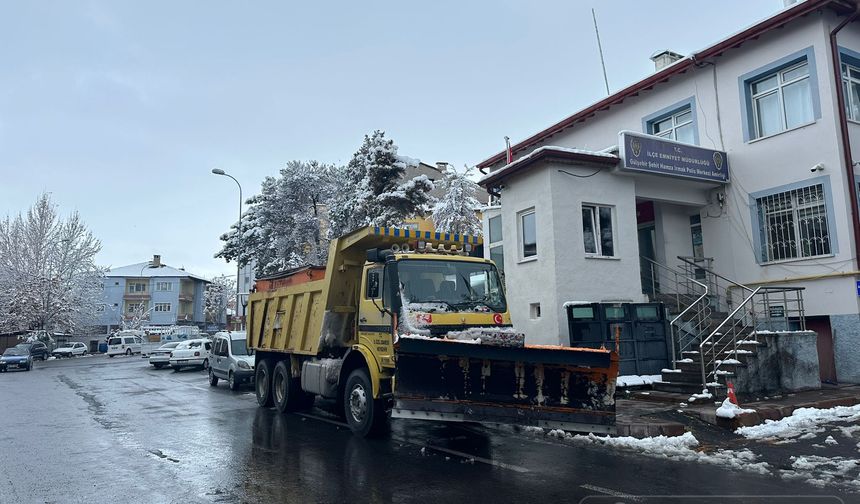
x: 689, y: 260
x: 717, y: 330
x: 672, y: 323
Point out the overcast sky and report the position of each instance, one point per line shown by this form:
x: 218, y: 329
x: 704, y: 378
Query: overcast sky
x: 120, y: 109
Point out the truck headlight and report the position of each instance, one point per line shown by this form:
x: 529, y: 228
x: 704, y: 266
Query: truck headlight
x: 243, y: 365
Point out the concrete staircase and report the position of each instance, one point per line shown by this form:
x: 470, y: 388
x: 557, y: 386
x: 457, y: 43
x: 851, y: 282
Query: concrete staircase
x: 714, y: 320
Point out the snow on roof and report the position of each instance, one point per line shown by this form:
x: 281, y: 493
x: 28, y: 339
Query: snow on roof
x: 145, y: 270
x: 546, y: 149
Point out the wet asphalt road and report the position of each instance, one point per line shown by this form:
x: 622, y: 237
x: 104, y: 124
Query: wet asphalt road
x: 116, y: 430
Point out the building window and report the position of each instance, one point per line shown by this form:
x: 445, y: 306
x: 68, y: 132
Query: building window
x: 851, y: 87
x: 134, y: 307
x: 597, y: 230
x: 782, y: 100
x: 677, y: 126
x: 164, y: 286
x: 534, y: 311
x: 136, y: 287
x: 528, y: 234
x: 162, y: 307
x: 696, y: 234
x: 793, y: 224
x: 497, y: 250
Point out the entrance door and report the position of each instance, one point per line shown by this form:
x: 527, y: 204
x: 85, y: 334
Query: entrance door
x: 826, y: 363
x: 647, y: 253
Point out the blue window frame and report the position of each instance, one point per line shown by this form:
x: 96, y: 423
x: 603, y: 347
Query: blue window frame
x: 780, y: 96
x: 794, y: 221
x: 676, y: 122
x: 851, y: 81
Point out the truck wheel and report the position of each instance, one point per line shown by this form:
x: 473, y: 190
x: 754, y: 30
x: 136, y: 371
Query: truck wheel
x: 263, y: 383
x: 365, y: 415
x: 286, y: 390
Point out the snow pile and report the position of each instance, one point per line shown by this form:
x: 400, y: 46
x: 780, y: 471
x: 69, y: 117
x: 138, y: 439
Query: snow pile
x: 427, y: 307
x: 731, y: 410
x: 633, y: 380
x: 679, y: 448
x: 802, y: 421
x: 830, y: 441
x: 704, y: 395
x: 495, y: 336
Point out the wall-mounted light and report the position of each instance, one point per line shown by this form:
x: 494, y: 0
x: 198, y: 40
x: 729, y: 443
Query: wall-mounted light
x: 817, y: 168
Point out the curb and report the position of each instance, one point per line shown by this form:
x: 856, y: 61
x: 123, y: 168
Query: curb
x: 646, y: 430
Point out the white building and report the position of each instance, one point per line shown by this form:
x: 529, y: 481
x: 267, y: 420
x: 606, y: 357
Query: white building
x: 575, y: 217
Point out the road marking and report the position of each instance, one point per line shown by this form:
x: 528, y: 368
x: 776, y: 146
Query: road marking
x: 483, y: 460
x: 464, y: 455
x: 323, y: 419
x: 609, y: 491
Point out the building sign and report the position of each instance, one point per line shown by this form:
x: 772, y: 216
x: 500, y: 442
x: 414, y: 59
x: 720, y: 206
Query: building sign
x: 650, y: 154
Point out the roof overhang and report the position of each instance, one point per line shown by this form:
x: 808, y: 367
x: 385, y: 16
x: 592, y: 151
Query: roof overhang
x: 755, y: 31
x: 549, y: 153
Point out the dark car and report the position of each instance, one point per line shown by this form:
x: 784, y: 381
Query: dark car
x: 16, y: 357
x: 36, y: 348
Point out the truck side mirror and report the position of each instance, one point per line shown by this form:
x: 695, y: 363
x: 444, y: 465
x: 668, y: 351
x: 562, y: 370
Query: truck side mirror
x: 373, y: 255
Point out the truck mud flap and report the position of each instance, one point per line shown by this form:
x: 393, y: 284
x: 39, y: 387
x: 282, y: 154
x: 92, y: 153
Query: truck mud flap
x: 542, y: 386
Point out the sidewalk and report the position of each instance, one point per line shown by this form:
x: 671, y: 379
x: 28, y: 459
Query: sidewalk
x: 651, y: 413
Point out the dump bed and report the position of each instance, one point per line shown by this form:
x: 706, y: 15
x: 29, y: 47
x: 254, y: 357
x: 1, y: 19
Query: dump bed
x: 306, y: 310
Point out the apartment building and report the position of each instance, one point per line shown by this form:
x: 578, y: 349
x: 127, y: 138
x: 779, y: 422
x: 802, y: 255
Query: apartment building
x: 161, y: 294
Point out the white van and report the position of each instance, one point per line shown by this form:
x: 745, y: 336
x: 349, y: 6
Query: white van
x: 125, y: 343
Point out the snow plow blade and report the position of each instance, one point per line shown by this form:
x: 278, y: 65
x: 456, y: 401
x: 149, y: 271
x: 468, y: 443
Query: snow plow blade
x: 542, y: 386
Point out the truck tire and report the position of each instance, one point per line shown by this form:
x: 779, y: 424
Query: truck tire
x: 365, y: 415
x: 263, y: 383
x: 287, y: 392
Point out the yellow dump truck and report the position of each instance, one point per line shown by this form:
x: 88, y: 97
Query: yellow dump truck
x: 409, y: 324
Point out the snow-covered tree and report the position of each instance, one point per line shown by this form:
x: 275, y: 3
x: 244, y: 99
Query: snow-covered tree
x: 48, y: 277
x: 284, y: 226
x: 218, y: 296
x: 137, y: 317
x: 373, y: 190
x: 455, y: 212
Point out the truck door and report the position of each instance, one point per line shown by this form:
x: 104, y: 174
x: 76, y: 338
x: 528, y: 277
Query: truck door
x: 374, y: 326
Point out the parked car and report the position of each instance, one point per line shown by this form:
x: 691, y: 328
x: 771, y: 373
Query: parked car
x: 160, y: 357
x: 124, y: 344
x: 231, y: 359
x: 76, y: 348
x: 36, y: 349
x: 191, y: 353
x: 16, y: 357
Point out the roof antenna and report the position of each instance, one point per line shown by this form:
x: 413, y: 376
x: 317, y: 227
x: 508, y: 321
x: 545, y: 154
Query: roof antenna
x: 600, y: 50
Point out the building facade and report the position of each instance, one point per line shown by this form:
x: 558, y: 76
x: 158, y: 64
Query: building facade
x: 576, y: 222
x: 158, y: 294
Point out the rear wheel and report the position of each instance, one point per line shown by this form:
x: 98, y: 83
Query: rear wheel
x: 213, y: 380
x: 286, y: 390
x: 263, y: 383
x: 365, y: 415
x: 128, y: 352
x: 205, y: 364
x: 158, y: 365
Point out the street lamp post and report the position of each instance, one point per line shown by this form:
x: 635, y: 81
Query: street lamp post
x: 219, y: 171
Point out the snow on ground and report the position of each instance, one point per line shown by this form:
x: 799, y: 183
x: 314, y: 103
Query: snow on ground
x: 823, y: 471
x: 684, y: 448
x: 631, y: 380
x: 704, y: 395
x: 802, y: 421
x: 731, y: 410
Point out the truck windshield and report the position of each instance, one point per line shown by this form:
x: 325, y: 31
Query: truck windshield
x: 451, y: 286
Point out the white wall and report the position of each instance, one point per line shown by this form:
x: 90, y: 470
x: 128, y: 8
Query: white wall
x: 531, y: 280
x: 755, y: 166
